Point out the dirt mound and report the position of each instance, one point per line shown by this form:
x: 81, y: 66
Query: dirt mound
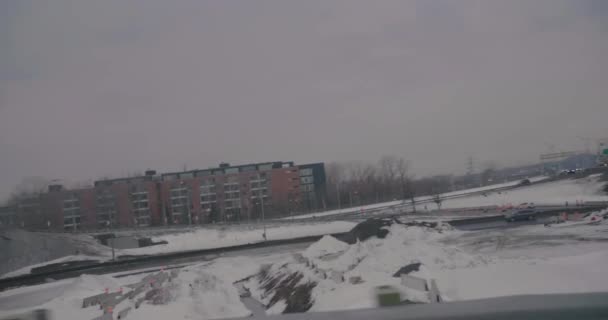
x: 288, y: 287
x: 412, y: 267
x: 367, y: 229
x: 379, y: 228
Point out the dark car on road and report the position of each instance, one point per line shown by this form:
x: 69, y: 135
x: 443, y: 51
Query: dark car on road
x: 521, y: 214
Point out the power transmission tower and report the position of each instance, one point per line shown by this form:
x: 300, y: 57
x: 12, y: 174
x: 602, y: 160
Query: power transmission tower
x: 470, y: 167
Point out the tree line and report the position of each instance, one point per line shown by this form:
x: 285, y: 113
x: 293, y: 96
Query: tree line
x: 390, y: 178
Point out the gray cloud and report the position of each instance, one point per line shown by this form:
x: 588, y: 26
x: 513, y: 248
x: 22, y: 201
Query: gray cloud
x: 91, y: 88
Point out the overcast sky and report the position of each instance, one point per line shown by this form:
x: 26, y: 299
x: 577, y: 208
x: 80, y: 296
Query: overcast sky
x: 102, y: 88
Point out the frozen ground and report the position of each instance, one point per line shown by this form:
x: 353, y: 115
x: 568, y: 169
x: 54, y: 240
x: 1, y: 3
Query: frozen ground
x: 237, y: 235
x: 565, y: 258
x: 19, y: 248
x: 27, y: 250
x: 397, y: 202
x: 550, y: 193
x: 34, y: 248
x: 203, y: 291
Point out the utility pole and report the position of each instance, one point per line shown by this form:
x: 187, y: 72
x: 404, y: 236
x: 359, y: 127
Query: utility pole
x: 263, y: 222
x: 112, y: 243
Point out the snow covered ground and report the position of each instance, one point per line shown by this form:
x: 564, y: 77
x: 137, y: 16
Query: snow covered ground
x: 39, y: 247
x: 564, y: 258
x: 203, y: 291
x: 397, y: 202
x: 237, y: 235
x: 19, y: 248
x: 550, y: 193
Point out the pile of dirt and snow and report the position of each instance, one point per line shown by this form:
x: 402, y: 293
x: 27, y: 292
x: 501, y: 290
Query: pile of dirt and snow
x: 331, y: 274
x: 203, y: 291
x: 379, y: 228
x: 327, y: 245
x: 285, y: 289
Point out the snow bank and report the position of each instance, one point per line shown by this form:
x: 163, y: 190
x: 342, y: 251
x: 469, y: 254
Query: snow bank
x: 525, y: 260
x: 327, y: 245
x: 196, y: 294
x: 529, y: 262
x: 398, y: 202
x: 572, y: 274
x: 550, y: 193
x: 217, y: 238
x: 203, y: 291
x: 64, y: 298
x: 327, y: 267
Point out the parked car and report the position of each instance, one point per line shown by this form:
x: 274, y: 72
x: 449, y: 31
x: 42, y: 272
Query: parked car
x: 520, y: 214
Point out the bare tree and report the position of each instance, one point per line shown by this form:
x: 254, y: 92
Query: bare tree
x: 438, y: 201
x: 27, y: 188
x: 388, y: 173
x: 402, y: 170
x: 405, y: 182
x: 335, y: 173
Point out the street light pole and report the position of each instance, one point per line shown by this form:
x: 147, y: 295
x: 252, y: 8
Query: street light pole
x: 263, y: 222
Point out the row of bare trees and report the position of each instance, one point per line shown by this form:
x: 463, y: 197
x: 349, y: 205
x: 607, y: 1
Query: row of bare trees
x: 390, y: 178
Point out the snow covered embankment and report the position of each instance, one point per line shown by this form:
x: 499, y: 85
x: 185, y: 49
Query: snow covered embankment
x: 332, y: 275
x: 217, y: 238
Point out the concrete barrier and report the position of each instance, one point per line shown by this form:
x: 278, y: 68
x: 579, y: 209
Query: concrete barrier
x: 414, y: 282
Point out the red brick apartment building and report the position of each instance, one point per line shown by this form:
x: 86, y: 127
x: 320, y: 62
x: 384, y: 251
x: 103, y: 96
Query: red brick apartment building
x: 225, y: 193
